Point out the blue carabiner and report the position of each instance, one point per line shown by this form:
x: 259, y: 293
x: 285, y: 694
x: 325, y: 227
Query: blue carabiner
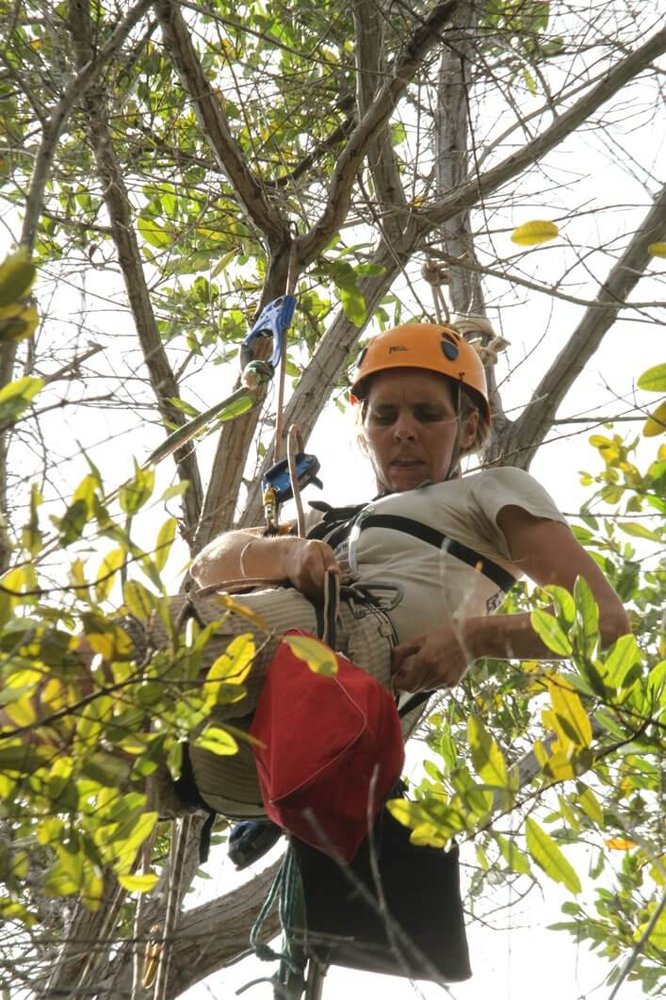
x: 274, y: 321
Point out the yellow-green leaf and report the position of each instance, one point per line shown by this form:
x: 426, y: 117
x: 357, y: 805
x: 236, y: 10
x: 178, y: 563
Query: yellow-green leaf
x: 571, y: 716
x: 654, y: 379
x: 165, y: 537
x: 657, y: 249
x: 140, y: 601
x: 317, y: 655
x: 516, y: 860
x: 530, y: 234
x: 138, y: 883
x: 17, y: 274
x: 487, y: 758
x: 549, y: 857
x: 217, y: 740
x: 656, y: 422
x: 234, y: 663
x: 134, y: 493
x: 590, y: 805
x: 111, y: 563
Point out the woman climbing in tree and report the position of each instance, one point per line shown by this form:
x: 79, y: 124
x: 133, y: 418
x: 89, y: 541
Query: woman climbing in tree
x: 427, y: 561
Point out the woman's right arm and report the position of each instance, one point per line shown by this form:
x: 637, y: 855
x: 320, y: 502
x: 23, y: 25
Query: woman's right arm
x: 243, y: 555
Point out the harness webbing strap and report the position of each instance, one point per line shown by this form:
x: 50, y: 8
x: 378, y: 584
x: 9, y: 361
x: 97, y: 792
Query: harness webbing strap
x: 496, y: 573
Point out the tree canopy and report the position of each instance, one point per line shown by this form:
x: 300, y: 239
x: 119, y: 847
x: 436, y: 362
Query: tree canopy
x: 167, y: 170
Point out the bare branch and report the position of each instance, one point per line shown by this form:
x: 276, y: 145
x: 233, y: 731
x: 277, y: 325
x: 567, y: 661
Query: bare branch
x: 484, y: 184
x: 215, y: 125
x: 529, y: 430
x: 423, y: 40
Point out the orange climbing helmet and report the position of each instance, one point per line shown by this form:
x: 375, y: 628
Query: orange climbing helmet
x: 431, y: 346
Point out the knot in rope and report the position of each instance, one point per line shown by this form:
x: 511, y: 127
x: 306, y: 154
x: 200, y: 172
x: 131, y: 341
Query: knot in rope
x: 479, y: 332
x: 434, y: 273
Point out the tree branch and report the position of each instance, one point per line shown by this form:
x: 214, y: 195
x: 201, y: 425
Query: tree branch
x: 369, y: 37
x: 485, y: 184
x: 528, y: 432
x: 116, y: 198
x: 422, y: 41
x: 215, y: 125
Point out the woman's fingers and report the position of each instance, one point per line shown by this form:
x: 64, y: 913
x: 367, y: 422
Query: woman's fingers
x: 311, y: 561
x: 434, y: 661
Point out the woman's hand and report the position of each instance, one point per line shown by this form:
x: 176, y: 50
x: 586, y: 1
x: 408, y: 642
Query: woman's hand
x: 438, y: 659
x: 307, y: 561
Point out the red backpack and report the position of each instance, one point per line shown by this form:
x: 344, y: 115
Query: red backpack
x: 329, y: 751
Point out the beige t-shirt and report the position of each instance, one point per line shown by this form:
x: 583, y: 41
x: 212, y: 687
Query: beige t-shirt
x: 434, y: 586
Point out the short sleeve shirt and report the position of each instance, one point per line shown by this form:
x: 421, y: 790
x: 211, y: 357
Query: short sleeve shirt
x: 434, y: 586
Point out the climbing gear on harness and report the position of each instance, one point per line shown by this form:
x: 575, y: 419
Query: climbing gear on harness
x: 328, y: 748
x: 279, y: 479
x: 430, y: 346
x: 249, y: 840
x: 273, y: 321
x: 341, y: 524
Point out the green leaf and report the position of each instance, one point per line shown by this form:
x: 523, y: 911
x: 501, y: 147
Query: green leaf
x: 140, y: 602
x: 487, y: 758
x: 353, y: 303
x: 236, y: 408
x: 137, y: 491
x: 549, y: 857
x: 317, y: 655
x: 551, y: 633
x: 587, y: 615
x: 153, y: 233
x: 639, y: 530
x: 590, y: 805
x: 623, y: 655
x: 74, y: 521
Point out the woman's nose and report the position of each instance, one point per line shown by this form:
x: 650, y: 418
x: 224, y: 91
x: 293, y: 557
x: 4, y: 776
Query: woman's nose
x: 403, y: 429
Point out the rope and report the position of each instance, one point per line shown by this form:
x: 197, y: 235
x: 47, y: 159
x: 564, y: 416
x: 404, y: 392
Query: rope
x: 437, y: 275
x: 294, y: 445
x: 292, y: 278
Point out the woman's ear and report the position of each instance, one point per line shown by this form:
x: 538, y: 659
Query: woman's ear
x: 469, y: 429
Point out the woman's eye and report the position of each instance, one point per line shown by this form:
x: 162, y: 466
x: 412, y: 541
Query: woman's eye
x: 429, y: 416
x: 383, y: 417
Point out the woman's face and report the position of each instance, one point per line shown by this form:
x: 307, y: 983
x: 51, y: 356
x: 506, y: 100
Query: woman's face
x: 410, y: 427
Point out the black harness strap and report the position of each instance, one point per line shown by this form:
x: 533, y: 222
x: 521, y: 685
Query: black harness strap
x: 496, y: 573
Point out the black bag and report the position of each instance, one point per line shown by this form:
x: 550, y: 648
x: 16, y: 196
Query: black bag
x: 416, y: 927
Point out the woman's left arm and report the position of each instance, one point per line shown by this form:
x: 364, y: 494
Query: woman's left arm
x: 545, y: 551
